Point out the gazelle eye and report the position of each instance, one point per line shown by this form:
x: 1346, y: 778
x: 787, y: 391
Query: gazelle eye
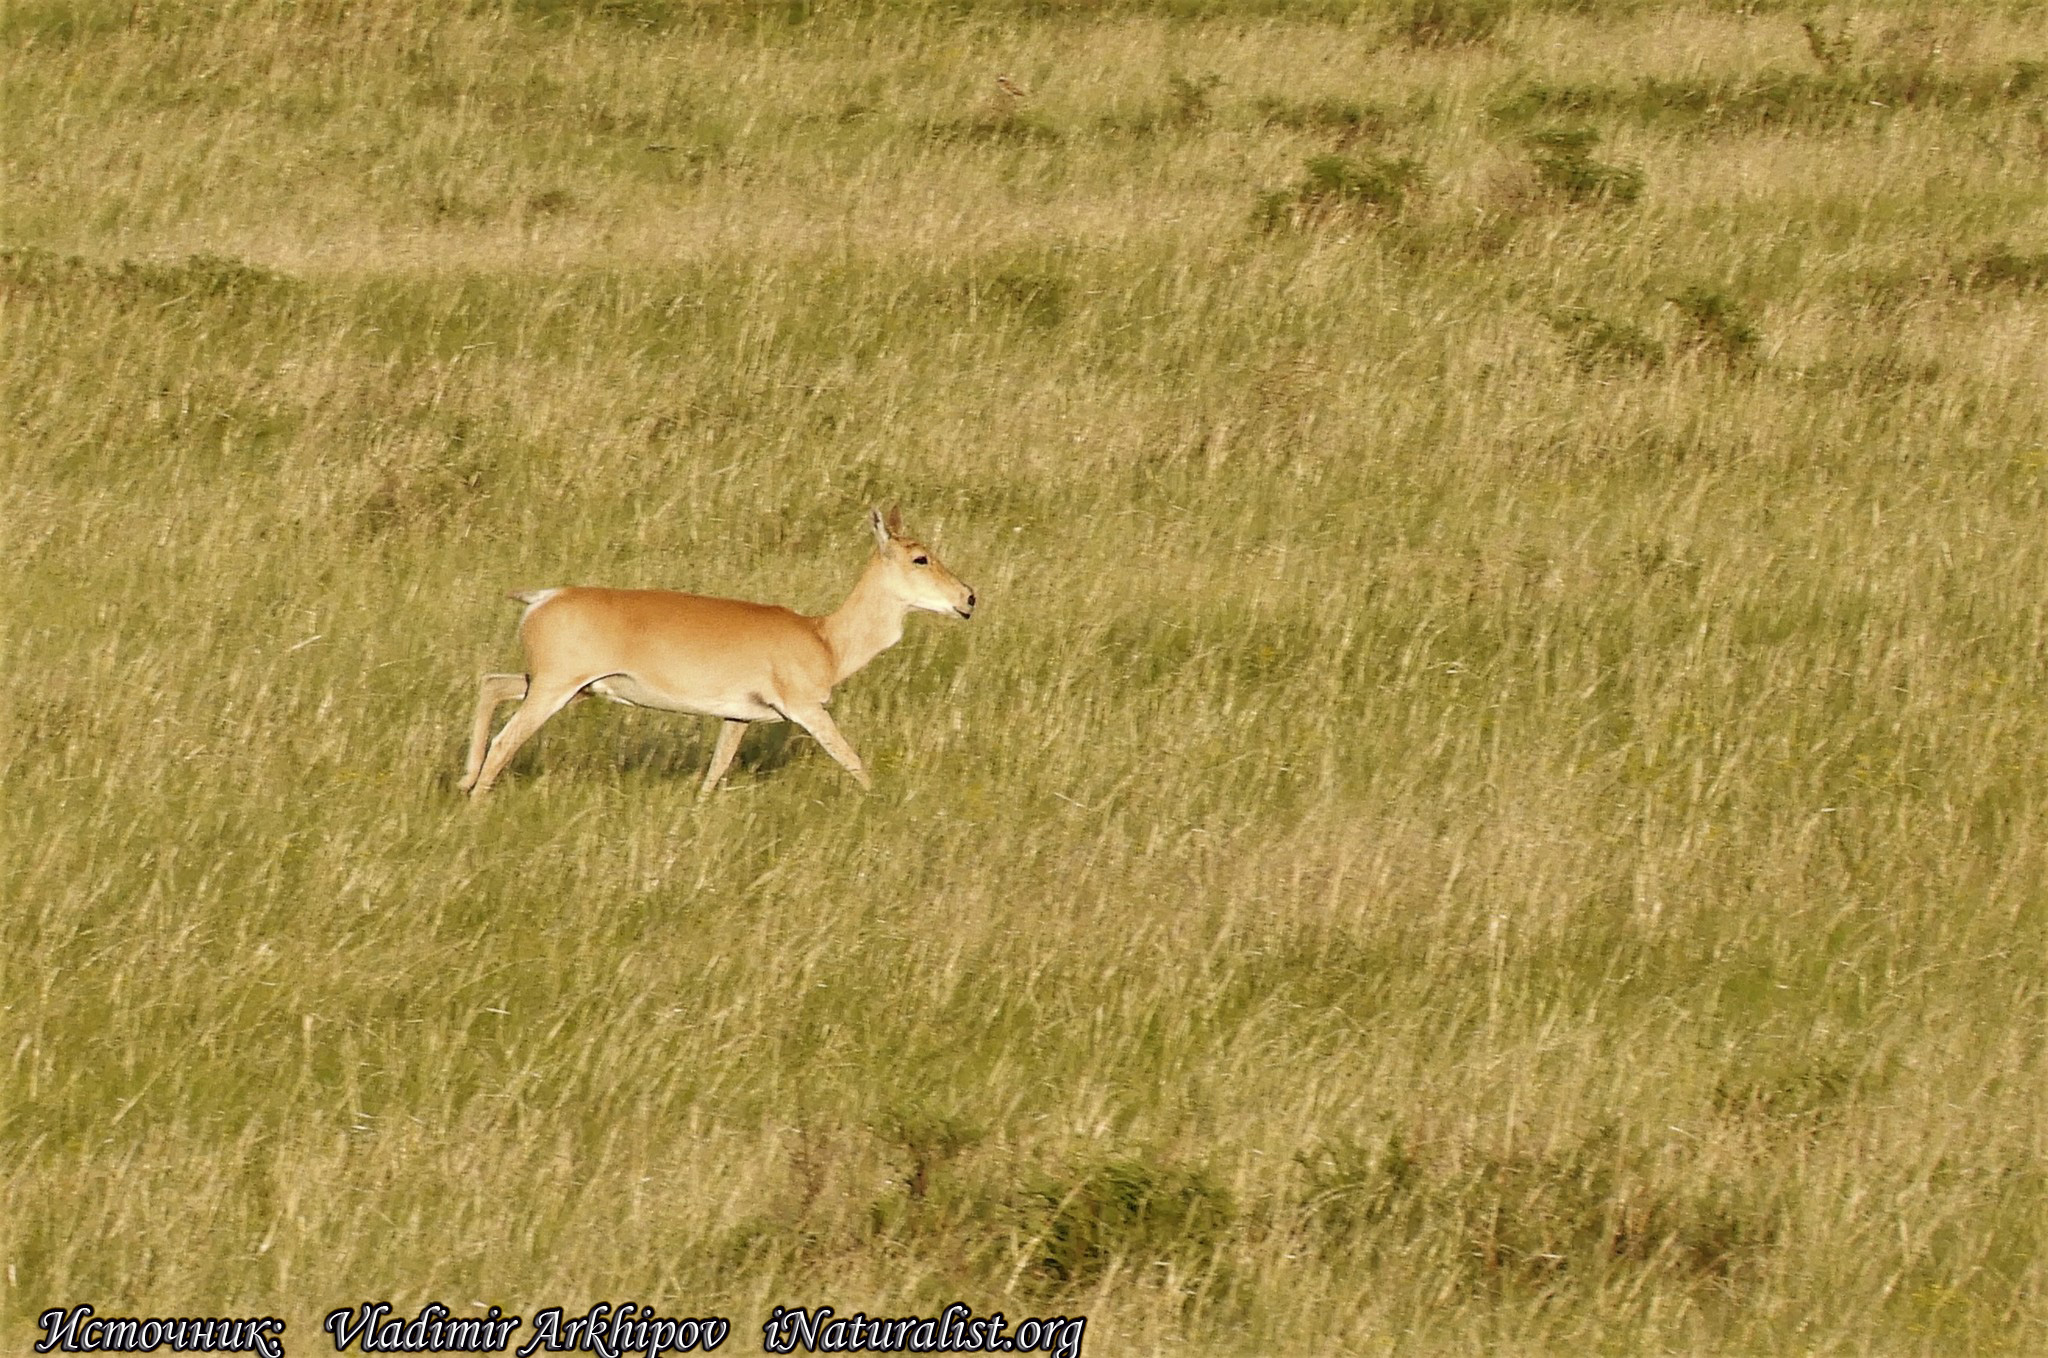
x: 920, y: 561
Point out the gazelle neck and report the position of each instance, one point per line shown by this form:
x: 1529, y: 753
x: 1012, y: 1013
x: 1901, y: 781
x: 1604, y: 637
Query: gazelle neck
x: 867, y: 624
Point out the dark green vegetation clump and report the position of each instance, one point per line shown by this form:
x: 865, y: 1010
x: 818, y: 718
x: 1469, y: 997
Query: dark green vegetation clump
x: 1495, y: 798
x: 1717, y: 323
x: 1595, y: 341
x: 1814, y: 101
x: 1581, y: 1211
x: 2002, y: 267
x: 1564, y: 163
x: 1345, y: 118
x: 33, y: 272
x: 1337, y: 186
x: 1133, y: 1214
x: 1449, y: 23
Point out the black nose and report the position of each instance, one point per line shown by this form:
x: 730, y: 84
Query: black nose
x: 970, y: 598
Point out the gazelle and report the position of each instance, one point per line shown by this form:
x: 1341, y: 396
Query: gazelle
x: 742, y: 662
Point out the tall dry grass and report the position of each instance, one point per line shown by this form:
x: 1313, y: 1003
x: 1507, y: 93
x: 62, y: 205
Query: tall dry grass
x: 1495, y: 799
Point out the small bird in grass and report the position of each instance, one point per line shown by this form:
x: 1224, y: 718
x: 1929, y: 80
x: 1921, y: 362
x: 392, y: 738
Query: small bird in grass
x: 1009, y: 87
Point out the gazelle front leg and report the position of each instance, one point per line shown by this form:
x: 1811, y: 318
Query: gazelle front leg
x: 819, y: 723
x: 495, y: 691
x: 729, y: 732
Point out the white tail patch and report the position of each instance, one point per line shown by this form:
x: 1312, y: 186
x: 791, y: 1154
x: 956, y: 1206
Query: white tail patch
x: 532, y: 598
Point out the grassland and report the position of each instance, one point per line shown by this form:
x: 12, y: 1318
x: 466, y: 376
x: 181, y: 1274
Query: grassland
x: 1496, y: 798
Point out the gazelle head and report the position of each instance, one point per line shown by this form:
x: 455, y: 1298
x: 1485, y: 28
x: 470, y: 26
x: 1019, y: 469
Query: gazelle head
x: 912, y: 573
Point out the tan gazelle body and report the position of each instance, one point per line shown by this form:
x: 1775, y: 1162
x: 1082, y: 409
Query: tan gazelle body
x: 742, y: 662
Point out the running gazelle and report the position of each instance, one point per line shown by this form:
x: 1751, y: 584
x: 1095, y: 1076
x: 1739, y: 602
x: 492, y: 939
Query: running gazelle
x: 742, y: 662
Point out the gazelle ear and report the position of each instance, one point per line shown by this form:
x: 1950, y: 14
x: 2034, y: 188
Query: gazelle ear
x: 881, y: 528
x: 895, y: 521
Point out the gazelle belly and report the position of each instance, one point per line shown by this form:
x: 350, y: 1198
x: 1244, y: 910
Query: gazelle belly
x: 635, y: 692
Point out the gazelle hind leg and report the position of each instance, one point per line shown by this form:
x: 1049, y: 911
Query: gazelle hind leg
x: 495, y: 691
x: 541, y: 703
x: 729, y: 733
x: 819, y: 723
